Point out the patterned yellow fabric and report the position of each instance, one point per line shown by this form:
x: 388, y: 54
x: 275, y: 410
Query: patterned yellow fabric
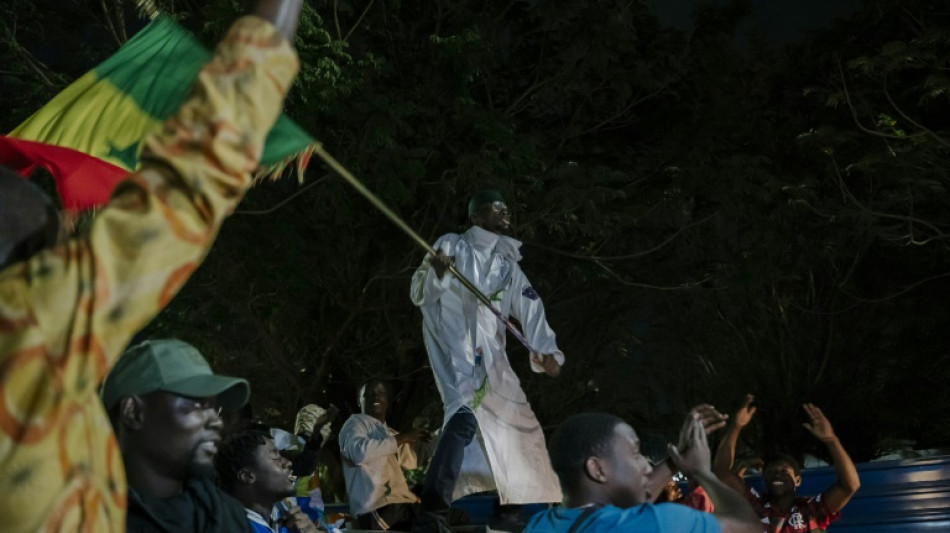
x: 67, y: 313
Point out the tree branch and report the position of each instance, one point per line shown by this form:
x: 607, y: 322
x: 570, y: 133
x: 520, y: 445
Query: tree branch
x: 284, y: 202
x: 635, y: 255
x: 360, y: 19
x: 904, y: 218
x: 916, y: 124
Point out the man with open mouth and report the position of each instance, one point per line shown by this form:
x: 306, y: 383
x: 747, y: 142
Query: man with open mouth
x: 374, y: 456
x: 252, y: 470
x: 780, y: 510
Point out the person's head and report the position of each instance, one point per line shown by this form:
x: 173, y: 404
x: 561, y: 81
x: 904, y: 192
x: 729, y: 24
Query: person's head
x: 163, y: 401
x: 374, y: 399
x: 597, y: 459
x: 251, y: 469
x: 28, y: 220
x: 782, y: 474
x: 488, y: 210
x: 671, y: 493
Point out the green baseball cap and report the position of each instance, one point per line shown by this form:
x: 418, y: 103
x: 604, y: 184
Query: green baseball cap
x: 173, y: 366
x: 483, y: 197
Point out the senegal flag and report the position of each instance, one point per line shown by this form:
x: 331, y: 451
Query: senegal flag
x: 90, y: 135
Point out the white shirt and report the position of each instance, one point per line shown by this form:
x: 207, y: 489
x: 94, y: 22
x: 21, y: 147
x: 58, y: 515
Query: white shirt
x: 373, y: 463
x: 466, y: 346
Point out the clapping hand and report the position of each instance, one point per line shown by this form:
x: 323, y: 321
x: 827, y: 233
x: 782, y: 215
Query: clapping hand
x: 692, y: 456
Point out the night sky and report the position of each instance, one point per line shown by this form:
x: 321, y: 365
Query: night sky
x: 783, y: 20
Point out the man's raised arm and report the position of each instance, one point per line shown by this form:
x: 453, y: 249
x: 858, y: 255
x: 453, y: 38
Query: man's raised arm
x: 726, y: 453
x: 663, y: 472
x: 734, y: 514
x: 847, y: 483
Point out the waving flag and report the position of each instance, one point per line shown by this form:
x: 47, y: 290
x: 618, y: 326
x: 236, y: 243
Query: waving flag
x: 90, y: 135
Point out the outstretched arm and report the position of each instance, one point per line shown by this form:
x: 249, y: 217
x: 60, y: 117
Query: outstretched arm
x: 726, y: 454
x: 162, y: 219
x: 528, y: 309
x: 847, y: 483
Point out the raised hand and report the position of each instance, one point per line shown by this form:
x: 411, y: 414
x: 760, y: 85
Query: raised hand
x: 818, y: 425
x: 744, y: 414
x: 692, y: 456
x: 708, y: 416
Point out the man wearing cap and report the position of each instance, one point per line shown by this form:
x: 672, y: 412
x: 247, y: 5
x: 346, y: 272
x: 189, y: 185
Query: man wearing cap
x: 163, y: 401
x: 67, y: 310
x: 780, y: 510
x: 466, y: 346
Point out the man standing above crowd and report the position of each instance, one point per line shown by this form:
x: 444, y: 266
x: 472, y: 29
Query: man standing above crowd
x: 607, y: 482
x: 374, y: 456
x: 67, y: 311
x: 780, y: 510
x: 466, y: 346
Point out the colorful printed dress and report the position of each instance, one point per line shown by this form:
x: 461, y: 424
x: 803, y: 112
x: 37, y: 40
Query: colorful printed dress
x: 67, y: 313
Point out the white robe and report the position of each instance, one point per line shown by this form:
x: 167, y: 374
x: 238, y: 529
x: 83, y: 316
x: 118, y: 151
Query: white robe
x: 466, y: 345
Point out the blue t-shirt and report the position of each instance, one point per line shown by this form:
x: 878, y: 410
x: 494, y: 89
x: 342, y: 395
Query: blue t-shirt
x: 644, y: 518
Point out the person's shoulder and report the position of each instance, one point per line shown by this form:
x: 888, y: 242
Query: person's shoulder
x: 537, y: 523
x: 449, y: 239
x: 236, y: 513
x: 356, y: 420
x: 659, y: 517
x: 677, y: 510
x: 553, y: 520
x: 645, y: 517
x: 609, y: 518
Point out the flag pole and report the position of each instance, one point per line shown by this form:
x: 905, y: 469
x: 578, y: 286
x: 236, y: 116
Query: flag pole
x: 395, y: 219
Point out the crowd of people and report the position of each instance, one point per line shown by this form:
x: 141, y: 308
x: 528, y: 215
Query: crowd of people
x: 96, y: 437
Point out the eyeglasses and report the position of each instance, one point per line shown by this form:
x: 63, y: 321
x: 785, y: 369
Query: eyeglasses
x: 497, y: 206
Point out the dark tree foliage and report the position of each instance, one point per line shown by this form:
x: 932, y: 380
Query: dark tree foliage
x: 705, y: 214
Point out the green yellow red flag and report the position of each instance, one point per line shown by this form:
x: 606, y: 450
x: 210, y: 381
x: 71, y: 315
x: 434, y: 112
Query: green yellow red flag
x: 89, y: 136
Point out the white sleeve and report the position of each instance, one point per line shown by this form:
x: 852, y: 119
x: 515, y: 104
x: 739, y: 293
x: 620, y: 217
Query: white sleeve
x: 426, y: 287
x: 526, y: 306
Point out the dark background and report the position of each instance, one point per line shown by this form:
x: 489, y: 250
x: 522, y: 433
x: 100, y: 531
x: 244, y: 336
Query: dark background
x: 715, y: 198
